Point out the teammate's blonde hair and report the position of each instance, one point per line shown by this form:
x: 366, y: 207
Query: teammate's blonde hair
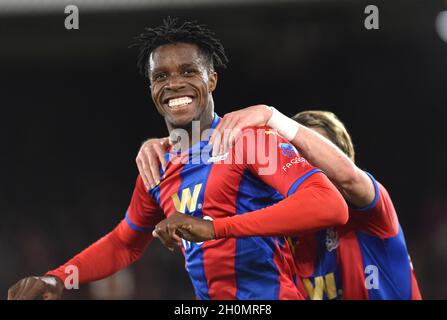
x: 334, y: 128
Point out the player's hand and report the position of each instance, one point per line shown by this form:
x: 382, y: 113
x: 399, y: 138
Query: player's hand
x: 195, y: 229
x: 166, y: 231
x: 37, y: 288
x: 179, y: 225
x: 149, y: 158
x: 232, y: 123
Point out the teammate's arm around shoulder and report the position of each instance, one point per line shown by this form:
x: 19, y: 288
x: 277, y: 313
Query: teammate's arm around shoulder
x: 355, y: 185
x: 149, y: 158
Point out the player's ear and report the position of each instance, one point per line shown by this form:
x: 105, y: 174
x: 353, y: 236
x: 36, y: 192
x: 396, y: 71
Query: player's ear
x: 212, y: 80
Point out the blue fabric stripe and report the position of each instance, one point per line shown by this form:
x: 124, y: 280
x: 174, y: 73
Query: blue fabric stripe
x: 390, y: 257
x: 257, y: 276
x: 376, y: 196
x: 216, y: 120
x: 326, y: 261
x: 198, y: 146
x: 191, y: 175
x: 155, y: 193
x: 196, y: 149
x: 300, y: 180
x: 135, y: 227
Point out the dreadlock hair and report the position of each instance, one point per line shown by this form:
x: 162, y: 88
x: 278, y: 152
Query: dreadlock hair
x: 188, y: 32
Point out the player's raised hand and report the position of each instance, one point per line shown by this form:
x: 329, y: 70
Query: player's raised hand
x: 36, y: 288
x: 149, y: 158
x: 232, y: 123
x: 179, y: 225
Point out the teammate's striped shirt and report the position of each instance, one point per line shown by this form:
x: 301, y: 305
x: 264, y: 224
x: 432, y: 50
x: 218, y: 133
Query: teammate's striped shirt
x: 366, y: 258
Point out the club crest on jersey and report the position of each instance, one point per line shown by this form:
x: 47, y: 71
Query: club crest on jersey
x: 288, y: 150
x: 332, y: 240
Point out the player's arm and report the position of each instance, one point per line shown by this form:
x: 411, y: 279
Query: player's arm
x: 355, y: 185
x: 314, y: 205
x: 113, y: 252
x: 310, y: 201
x: 381, y: 218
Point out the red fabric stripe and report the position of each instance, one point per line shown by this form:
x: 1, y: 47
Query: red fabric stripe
x: 415, y: 293
x: 305, y: 253
x: 351, y: 270
x: 286, y: 267
x: 218, y: 262
x: 170, y: 186
x: 219, y: 255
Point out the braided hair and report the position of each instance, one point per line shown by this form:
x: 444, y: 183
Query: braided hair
x: 188, y: 32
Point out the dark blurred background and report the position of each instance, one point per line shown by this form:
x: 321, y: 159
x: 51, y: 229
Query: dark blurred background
x: 74, y: 111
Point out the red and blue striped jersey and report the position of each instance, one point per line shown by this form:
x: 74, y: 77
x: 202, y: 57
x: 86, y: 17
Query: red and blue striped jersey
x: 366, y: 258
x: 233, y: 268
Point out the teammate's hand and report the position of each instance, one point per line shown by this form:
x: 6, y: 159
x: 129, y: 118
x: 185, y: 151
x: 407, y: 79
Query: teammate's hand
x: 232, y: 123
x: 36, y: 288
x: 149, y: 158
x: 179, y: 225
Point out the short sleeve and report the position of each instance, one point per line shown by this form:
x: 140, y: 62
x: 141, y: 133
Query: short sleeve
x: 273, y: 159
x: 143, y: 213
x: 379, y: 218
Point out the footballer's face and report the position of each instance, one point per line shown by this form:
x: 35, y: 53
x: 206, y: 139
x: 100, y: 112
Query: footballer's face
x: 181, y: 83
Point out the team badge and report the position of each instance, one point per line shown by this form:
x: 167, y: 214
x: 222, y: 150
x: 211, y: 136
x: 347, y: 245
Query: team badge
x: 332, y: 240
x: 288, y: 150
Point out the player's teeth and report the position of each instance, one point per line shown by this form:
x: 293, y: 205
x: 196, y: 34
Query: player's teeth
x: 179, y: 102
